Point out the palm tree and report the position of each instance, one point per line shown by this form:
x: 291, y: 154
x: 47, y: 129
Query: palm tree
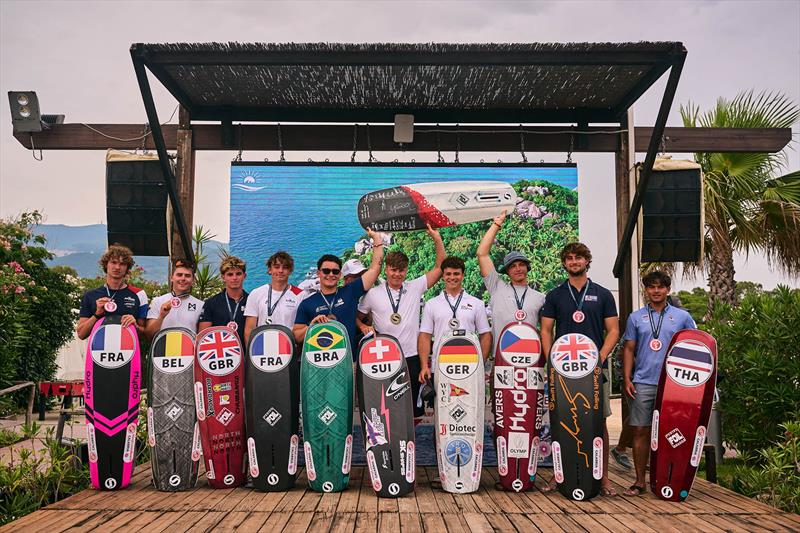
x: 747, y: 208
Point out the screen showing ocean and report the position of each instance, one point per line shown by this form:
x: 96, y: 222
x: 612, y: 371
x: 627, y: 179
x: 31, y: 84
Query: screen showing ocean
x: 310, y: 209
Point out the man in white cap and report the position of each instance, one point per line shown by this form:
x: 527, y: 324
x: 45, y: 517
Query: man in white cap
x: 510, y: 302
x: 352, y: 269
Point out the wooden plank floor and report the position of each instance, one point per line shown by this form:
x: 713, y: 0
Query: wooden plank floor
x: 140, y: 507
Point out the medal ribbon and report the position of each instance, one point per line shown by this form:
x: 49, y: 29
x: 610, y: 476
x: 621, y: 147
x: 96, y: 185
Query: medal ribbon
x: 454, y: 308
x: 113, y: 296
x: 395, y: 307
x: 656, y: 329
x: 236, y: 309
x: 520, y: 301
x: 270, y: 307
x: 181, y: 295
x: 329, y: 304
x: 582, y: 293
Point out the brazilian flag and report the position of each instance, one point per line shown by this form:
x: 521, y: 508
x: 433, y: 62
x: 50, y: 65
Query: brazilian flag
x: 326, y: 338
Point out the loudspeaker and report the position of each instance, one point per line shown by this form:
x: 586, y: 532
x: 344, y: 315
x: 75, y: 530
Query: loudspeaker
x: 136, y: 203
x: 672, y: 214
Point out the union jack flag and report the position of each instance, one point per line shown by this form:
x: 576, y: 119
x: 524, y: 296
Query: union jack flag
x: 574, y: 347
x: 219, y: 344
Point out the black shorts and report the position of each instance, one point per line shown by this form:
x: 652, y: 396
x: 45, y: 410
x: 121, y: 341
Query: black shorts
x: 413, y: 371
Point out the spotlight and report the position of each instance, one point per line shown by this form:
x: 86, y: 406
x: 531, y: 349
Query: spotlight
x: 25, y: 116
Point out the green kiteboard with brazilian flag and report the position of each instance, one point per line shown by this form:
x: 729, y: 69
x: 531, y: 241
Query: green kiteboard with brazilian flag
x: 326, y: 389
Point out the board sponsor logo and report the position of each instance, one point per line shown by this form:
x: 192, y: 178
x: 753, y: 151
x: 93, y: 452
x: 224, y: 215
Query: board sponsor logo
x: 558, y: 467
x: 458, y: 413
x: 458, y: 358
x: 110, y: 483
x: 197, y: 449
x: 130, y: 443
x: 225, y: 416
x: 219, y: 352
x: 675, y: 438
x: 411, y: 462
x: 578, y: 402
x: 311, y: 472
x: 112, y: 346
x: 533, y: 459
x: 399, y: 386
x: 173, y: 352
x: 457, y: 429
x: 151, y: 430
x: 597, y: 458
x: 326, y: 347
x: 519, y: 445
x: 174, y: 411
x: 271, y: 350
x: 272, y: 479
x: 91, y: 443
x: 327, y: 486
x: 327, y: 415
x: 654, y: 431
x: 666, y: 492
x: 697, y: 447
x: 374, y: 475
x: 476, y: 466
x: 459, y: 485
x: 458, y: 452
x: 578, y: 494
x: 210, y: 469
x: 456, y: 391
x: 502, y: 456
x: 503, y: 377
x: 520, y: 345
x: 517, y: 485
x: 689, y: 363
x: 536, y: 378
x: 224, y: 399
x: 380, y: 358
x: 293, y: 449
x: 252, y: 456
x: 394, y: 489
x: 174, y: 480
x: 348, y: 454
x: 272, y: 416
x: 229, y: 479
x: 374, y: 429
x: 221, y: 387
x: 574, y: 355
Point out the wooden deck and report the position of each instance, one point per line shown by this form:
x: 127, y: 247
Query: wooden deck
x: 140, y: 507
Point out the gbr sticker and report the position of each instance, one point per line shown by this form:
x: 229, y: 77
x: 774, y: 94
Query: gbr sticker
x: 112, y: 346
x: 380, y: 358
x: 520, y: 345
x: 574, y: 355
x: 689, y: 363
x: 173, y: 352
x: 271, y: 350
x: 458, y: 358
x: 218, y: 351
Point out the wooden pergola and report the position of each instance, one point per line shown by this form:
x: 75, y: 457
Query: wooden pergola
x: 493, y: 97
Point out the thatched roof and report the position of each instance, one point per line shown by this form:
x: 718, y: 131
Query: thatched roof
x: 536, y: 82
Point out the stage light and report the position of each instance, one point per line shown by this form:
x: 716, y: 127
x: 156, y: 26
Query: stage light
x: 25, y: 116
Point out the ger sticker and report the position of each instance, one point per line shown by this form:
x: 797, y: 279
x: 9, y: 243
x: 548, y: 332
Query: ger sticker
x: 380, y: 358
x: 574, y: 355
x: 520, y: 345
x: 271, y: 350
x: 219, y: 352
x: 112, y: 346
x: 326, y: 347
x: 173, y: 352
x: 458, y: 358
x: 689, y: 363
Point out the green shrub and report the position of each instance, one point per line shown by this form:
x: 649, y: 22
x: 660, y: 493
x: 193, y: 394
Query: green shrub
x: 759, y: 361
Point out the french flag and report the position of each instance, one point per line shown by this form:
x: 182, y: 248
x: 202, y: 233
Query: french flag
x: 113, y: 338
x: 271, y: 342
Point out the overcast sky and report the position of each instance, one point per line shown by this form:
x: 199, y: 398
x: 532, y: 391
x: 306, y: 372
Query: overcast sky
x: 75, y: 55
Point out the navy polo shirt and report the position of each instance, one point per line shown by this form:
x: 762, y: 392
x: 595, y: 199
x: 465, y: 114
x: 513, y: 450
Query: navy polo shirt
x: 216, y: 311
x: 345, y: 305
x: 598, y: 305
x: 130, y: 300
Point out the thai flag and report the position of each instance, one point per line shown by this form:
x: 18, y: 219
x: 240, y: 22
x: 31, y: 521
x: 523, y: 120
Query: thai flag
x: 271, y: 342
x: 218, y: 345
x: 692, y: 357
x: 113, y: 338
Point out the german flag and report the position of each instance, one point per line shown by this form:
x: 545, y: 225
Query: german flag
x: 458, y: 351
x: 175, y: 344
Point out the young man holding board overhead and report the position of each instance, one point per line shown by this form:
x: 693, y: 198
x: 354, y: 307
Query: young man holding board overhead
x: 227, y: 307
x: 177, y: 308
x: 337, y: 303
x: 275, y: 302
x: 514, y: 301
x: 395, y: 307
x: 647, y: 335
x: 581, y: 306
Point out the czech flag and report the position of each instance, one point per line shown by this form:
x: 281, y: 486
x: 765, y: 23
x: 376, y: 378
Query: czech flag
x: 520, y: 340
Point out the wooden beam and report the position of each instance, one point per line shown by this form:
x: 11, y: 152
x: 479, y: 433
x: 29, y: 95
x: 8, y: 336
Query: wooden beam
x: 332, y: 138
x: 184, y: 180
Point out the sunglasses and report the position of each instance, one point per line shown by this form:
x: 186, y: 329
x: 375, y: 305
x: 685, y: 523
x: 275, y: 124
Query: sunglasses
x: 328, y: 271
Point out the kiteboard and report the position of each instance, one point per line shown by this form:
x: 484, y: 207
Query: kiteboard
x: 218, y: 382
x: 387, y: 415
x: 112, y: 382
x: 681, y: 413
x: 519, y: 404
x: 440, y: 204
x: 576, y: 416
x: 459, y: 414
x: 326, y: 385
x: 272, y: 400
x: 172, y: 430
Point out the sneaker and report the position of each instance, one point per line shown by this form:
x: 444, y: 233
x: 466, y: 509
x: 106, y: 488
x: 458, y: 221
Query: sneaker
x: 621, y: 459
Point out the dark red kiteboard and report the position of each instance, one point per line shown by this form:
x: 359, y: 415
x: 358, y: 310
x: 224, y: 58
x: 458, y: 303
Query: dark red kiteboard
x: 518, y: 394
x: 682, y: 409
x: 218, y: 383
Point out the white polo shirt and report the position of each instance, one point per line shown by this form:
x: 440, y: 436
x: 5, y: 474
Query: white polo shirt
x: 285, y: 306
x: 377, y: 301
x: 185, y: 316
x: 471, y: 315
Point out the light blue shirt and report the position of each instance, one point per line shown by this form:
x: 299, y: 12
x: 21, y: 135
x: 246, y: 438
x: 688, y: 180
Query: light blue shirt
x: 647, y: 367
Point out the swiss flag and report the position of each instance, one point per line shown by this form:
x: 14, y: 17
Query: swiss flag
x: 380, y: 350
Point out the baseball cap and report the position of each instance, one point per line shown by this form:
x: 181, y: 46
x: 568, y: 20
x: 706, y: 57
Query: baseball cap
x: 514, y: 256
x: 352, y: 267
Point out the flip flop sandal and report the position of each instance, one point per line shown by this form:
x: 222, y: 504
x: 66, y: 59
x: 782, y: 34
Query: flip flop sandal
x: 608, y: 492
x: 635, y: 490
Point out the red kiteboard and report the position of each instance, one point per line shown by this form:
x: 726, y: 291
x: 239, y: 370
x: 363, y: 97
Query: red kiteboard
x: 518, y: 394
x: 218, y: 383
x: 682, y: 410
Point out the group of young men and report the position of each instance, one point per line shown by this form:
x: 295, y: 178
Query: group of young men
x: 395, y: 307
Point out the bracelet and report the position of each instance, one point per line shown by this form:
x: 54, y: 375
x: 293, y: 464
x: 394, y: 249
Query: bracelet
x: 377, y: 245
x: 97, y: 317
x: 496, y: 224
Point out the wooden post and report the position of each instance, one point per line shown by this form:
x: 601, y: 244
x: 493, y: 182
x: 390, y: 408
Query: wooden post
x: 184, y: 177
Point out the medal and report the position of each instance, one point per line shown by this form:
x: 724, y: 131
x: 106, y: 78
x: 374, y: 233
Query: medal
x: 271, y: 308
x: 454, y: 323
x: 232, y: 326
x: 330, y: 304
x: 269, y: 320
x: 175, y: 302
x: 110, y: 306
x: 232, y: 313
x: 331, y: 316
x: 520, y: 315
x: 395, y: 318
x: 578, y: 316
x: 655, y: 345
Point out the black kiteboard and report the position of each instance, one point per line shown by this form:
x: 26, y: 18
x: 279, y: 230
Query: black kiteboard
x: 272, y: 407
x: 576, y: 416
x: 387, y: 416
